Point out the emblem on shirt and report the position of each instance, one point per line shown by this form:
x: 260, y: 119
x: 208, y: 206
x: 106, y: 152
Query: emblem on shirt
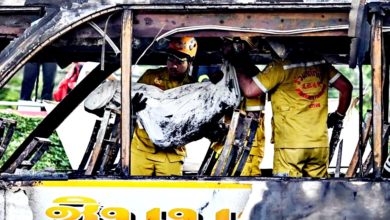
x: 158, y: 82
x: 309, y: 84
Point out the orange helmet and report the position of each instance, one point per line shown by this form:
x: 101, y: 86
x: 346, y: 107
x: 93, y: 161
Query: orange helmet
x: 184, y: 45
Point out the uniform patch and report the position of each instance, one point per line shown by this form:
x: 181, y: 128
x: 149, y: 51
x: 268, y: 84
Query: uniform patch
x: 309, y: 85
x: 158, y: 82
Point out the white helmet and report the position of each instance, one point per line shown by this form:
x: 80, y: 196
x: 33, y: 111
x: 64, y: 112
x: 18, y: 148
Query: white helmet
x: 279, y: 48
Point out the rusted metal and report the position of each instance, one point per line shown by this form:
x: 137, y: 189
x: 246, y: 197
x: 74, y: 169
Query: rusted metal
x: 237, y: 146
x: 359, y: 149
x: 126, y: 39
x: 30, y: 155
x: 43, y: 146
x: 148, y: 24
x: 15, y: 20
x: 54, y: 24
x: 377, y: 90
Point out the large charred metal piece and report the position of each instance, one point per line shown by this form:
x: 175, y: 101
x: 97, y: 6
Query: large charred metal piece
x: 237, y: 146
x: 106, y: 146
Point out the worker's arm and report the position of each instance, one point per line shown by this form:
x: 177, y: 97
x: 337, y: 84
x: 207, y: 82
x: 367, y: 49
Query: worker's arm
x: 244, y: 67
x: 343, y: 85
x: 247, y: 84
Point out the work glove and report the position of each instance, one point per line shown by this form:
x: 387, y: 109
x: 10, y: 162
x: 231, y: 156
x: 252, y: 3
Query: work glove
x: 236, y: 52
x: 217, y: 133
x: 138, y: 102
x: 334, y: 118
x: 215, y: 77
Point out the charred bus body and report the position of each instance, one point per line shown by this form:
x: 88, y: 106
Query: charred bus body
x: 120, y: 34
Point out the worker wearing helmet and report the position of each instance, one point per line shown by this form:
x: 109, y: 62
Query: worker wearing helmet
x: 147, y: 159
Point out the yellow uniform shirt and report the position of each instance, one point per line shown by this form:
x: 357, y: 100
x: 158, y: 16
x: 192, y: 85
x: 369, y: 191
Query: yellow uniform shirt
x: 159, y: 78
x: 299, y: 101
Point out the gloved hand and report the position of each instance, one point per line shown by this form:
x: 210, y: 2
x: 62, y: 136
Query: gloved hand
x: 236, y: 52
x: 334, y: 118
x: 138, y: 102
x: 217, y: 133
x: 215, y: 77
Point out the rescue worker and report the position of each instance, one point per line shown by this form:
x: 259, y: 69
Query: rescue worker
x: 299, y: 82
x: 147, y: 159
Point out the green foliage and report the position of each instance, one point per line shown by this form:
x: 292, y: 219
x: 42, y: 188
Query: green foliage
x: 11, y: 91
x: 54, y: 159
x: 353, y: 76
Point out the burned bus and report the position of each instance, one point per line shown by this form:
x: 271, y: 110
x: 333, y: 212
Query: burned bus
x: 123, y: 37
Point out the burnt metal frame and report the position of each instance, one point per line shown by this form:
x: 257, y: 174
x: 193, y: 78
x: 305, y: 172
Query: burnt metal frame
x: 146, y: 20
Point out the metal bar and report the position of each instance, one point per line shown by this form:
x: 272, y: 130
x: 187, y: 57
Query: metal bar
x: 385, y: 138
x: 111, y: 145
x: 367, y: 165
x: 377, y: 123
x: 360, y: 144
x: 126, y: 39
x: 7, y: 139
x: 15, y: 163
x: 356, y: 24
x: 338, y: 162
x: 99, y: 141
x: 360, y: 147
x: 44, y: 144
x: 385, y: 107
x: 2, y: 131
x: 89, y: 149
x: 229, y: 5
x: 221, y: 163
x: 208, y: 161
x: 335, y: 138
x: 244, y: 132
x: 247, y: 148
x: 106, y: 37
x: 356, y: 17
x: 260, y: 23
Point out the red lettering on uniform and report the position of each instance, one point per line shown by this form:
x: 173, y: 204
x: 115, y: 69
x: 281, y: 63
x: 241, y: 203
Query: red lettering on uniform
x: 315, y: 105
x: 311, y: 85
